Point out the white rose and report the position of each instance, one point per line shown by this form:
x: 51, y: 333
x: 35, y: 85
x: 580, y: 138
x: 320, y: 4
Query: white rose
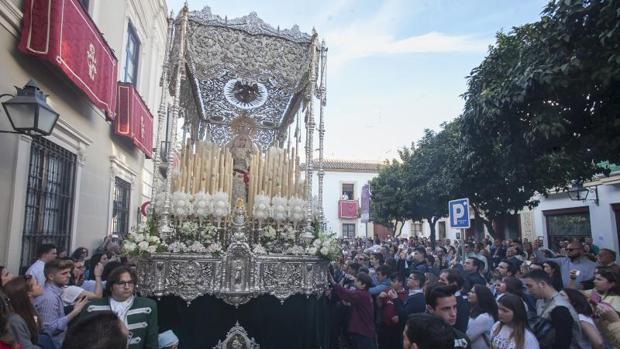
x: 143, y: 246
x: 175, y: 247
x: 324, y: 250
x: 129, y: 246
x: 138, y: 238
x: 317, y: 243
x: 312, y: 250
x: 152, y: 249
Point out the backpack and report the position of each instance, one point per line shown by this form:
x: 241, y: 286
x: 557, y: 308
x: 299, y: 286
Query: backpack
x: 542, y: 329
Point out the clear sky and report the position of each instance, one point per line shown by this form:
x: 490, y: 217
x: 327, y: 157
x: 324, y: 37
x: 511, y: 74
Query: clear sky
x: 394, y: 67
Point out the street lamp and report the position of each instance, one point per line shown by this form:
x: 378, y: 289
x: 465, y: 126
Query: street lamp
x: 29, y: 112
x: 578, y: 192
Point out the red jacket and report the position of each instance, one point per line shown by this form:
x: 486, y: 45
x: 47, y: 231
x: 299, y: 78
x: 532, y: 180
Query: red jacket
x: 361, y: 321
x: 7, y: 346
x: 389, y: 309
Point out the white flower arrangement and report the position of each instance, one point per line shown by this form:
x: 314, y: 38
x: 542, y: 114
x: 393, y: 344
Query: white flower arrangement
x: 296, y: 209
x: 129, y: 246
x: 208, y: 234
x: 325, y: 246
x: 202, y: 205
x: 142, y: 240
x: 289, y: 233
x: 262, y: 206
x: 279, y: 208
x: 317, y: 243
x: 214, y: 248
x: 259, y: 249
x: 295, y: 250
x: 177, y: 247
x: 181, y: 204
x: 269, y: 232
x: 197, y: 247
x: 221, y: 205
x: 187, y: 229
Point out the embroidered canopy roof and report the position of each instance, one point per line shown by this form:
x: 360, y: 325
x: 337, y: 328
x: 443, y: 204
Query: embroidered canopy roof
x: 244, y: 67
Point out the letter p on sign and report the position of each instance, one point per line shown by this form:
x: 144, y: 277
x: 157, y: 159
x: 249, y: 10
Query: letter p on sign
x: 459, y: 213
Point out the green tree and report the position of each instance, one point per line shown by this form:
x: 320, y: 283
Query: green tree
x: 387, y: 206
x: 542, y: 108
x: 432, y: 175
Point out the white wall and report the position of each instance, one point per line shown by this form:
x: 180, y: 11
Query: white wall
x: 82, y: 129
x: 602, y: 219
x: 332, y: 191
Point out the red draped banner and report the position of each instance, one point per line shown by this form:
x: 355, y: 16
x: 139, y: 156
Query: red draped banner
x: 134, y: 119
x: 62, y: 33
x: 347, y: 209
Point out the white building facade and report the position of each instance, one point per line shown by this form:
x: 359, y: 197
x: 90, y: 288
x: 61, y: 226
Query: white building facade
x: 86, y: 180
x: 343, y: 181
x: 558, y: 217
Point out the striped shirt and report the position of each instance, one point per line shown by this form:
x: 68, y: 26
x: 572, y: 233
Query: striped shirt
x: 52, y: 313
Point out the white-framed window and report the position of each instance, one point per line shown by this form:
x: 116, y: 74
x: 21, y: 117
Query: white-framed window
x: 132, y: 56
x: 417, y: 228
x: 121, y: 199
x: 442, y: 229
x: 348, y: 191
x: 120, y: 207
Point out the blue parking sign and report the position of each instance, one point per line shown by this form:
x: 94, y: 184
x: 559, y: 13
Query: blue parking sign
x: 459, y: 213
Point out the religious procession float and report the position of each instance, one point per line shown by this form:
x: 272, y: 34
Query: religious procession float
x: 233, y: 249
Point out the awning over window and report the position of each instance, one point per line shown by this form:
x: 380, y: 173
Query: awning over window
x: 134, y: 119
x: 60, y: 32
x: 347, y: 209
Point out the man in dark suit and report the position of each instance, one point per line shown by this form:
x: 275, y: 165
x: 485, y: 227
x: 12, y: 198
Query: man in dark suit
x: 473, y: 267
x: 415, y: 300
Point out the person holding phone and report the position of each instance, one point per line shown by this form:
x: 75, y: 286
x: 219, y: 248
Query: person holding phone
x: 606, y: 289
x: 608, y: 323
x: 50, y: 306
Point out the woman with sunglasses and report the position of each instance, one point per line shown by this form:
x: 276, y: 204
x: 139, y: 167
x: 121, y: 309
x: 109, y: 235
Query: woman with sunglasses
x: 23, y: 317
x: 511, y: 331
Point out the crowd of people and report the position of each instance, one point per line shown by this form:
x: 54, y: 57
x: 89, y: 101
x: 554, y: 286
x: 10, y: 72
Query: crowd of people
x: 402, y: 293
x: 77, y: 302
x: 392, y: 294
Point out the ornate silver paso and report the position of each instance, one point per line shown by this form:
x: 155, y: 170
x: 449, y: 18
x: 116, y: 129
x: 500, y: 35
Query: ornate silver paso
x: 236, y: 277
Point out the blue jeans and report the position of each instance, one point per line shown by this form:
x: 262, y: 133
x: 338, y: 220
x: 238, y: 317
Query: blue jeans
x: 45, y: 342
